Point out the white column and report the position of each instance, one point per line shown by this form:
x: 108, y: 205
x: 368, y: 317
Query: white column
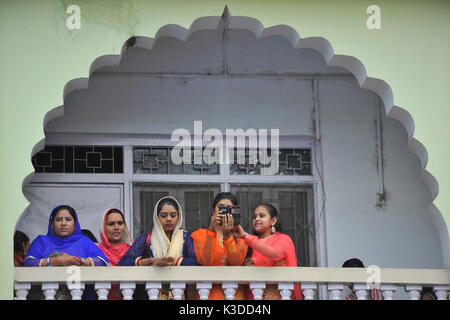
x: 229, y: 288
x: 388, y: 291
x: 49, y: 289
x: 361, y: 291
x: 153, y: 289
x: 413, y: 291
x: 178, y: 289
x: 285, y: 289
x: 127, y: 290
x: 257, y: 289
x: 441, y: 292
x: 335, y: 291
x: 22, y: 290
x: 76, y: 289
x: 308, y: 289
x: 203, y: 289
x: 102, y: 289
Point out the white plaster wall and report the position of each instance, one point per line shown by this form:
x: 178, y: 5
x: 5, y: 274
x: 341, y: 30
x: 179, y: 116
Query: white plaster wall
x: 156, y: 91
x: 401, y: 235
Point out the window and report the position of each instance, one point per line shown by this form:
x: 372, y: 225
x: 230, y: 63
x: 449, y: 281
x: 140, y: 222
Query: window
x: 79, y: 159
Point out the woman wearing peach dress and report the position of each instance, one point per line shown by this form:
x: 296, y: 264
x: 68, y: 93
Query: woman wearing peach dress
x: 270, y: 248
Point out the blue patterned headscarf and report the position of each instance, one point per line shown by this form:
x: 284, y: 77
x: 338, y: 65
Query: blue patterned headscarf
x: 76, y: 244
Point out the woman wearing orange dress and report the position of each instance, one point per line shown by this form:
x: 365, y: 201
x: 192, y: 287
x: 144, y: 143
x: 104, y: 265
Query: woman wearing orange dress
x: 216, y: 246
x: 270, y: 248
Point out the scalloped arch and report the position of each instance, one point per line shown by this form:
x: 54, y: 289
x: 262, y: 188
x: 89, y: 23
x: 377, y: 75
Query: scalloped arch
x: 321, y: 45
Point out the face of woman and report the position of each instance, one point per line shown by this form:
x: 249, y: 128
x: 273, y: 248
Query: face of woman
x: 262, y: 221
x: 63, y: 224
x: 168, y: 216
x: 223, y: 202
x: 114, y: 228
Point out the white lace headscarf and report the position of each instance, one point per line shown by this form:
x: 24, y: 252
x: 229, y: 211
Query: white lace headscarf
x: 161, y: 245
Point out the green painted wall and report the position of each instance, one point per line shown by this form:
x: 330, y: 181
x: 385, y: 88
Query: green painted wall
x: 39, y: 55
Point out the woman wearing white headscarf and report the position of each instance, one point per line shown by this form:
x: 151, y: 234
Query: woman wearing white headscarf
x: 167, y: 244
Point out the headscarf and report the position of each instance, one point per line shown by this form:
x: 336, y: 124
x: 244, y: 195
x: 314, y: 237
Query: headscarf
x: 114, y: 253
x: 161, y: 246
x: 75, y: 245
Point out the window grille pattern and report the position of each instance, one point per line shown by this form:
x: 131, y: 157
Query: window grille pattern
x: 157, y: 160
x: 292, y: 161
x: 79, y: 159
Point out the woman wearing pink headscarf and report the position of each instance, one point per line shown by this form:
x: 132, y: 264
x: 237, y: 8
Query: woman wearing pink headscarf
x: 115, y: 242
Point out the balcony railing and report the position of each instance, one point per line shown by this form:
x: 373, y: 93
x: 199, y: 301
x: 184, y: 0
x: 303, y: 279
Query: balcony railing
x: 316, y: 283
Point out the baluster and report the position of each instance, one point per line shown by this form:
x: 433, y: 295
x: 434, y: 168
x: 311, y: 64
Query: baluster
x: 388, y: 291
x: 361, y: 291
x: 76, y: 289
x: 102, y: 289
x: 308, y: 289
x: 441, y: 292
x: 127, y: 290
x: 413, y: 291
x: 203, y: 289
x: 153, y: 289
x: 285, y: 289
x: 229, y: 288
x: 49, y: 289
x: 22, y: 290
x: 177, y: 289
x: 257, y: 289
x: 335, y: 290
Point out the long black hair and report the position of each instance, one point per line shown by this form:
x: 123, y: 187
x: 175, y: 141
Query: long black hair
x: 20, y: 240
x: 168, y: 201
x: 224, y: 195
x: 64, y: 207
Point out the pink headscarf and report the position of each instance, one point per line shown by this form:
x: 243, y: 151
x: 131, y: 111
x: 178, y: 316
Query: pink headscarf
x: 114, y: 253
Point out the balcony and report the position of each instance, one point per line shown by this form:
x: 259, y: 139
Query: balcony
x: 316, y: 283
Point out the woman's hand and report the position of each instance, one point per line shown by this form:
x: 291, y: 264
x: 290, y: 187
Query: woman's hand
x: 249, y: 262
x: 238, y: 232
x: 216, y: 220
x: 66, y: 260
x: 227, y: 225
x: 165, y: 261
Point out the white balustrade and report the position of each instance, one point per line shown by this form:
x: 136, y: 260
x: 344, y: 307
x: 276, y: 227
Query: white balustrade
x: 127, y: 290
x: 102, y: 289
x: 413, y: 291
x: 178, y: 290
x: 177, y: 278
x: 441, y: 292
x: 22, y: 290
x: 388, y: 291
x: 203, y: 289
x: 257, y: 289
x: 229, y: 288
x: 361, y: 291
x: 49, y: 290
x: 76, y: 289
x: 153, y: 289
x: 309, y: 290
x: 286, y: 289
x: 335, y: 291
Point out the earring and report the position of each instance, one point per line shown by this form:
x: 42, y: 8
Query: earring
x: 273, y: 230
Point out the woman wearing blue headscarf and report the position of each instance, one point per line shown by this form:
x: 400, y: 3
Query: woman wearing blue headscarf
x: 64, y: 244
